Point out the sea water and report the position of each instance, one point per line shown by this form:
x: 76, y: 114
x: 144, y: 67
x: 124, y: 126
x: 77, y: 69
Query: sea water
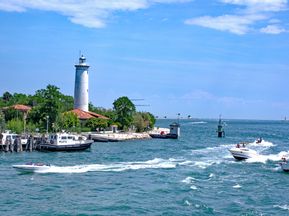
x: 194, y: 175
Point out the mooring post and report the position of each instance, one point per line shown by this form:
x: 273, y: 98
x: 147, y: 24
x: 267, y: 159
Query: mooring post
x: 20, y: 145
x: 31, y: 144
x: 12, y: 145
x: 15, y: 145
x: 6, y: 145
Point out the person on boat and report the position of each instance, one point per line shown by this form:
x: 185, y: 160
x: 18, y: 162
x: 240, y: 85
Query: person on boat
x: 259, y: 140
x: 238, y: 145
x: 284, y: 159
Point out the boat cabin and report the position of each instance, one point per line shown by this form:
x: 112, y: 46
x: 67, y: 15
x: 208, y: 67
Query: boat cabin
x: 65, y: 139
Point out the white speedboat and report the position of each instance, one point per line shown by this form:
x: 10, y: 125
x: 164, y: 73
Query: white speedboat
x: 31, y: 167
x: 242, y: 153
x: 284, y: 166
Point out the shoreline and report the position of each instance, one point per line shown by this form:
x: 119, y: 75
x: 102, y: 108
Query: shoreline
x: 124, y: 136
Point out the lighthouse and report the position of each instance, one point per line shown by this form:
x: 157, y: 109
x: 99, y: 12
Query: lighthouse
x: 81, y: 85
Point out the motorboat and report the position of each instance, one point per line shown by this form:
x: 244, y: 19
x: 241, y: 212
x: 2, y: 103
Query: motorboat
x: 284, y: 165
x: 8, y: 137
x: 31, y: 167
x: 242, y: 153
x: 259, y: 140
x: 65, y: 142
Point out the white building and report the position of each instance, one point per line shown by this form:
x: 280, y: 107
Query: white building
x: 81, y: 98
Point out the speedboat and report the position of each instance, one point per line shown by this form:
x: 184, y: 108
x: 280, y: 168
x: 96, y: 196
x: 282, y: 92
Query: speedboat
x: 242, y: 153
x: 31, y: 167
x: 65, y: 142
x: 259, y: 140
x: 284, y: 166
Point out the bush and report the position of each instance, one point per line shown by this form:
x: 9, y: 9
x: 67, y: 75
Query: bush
x: 95, y: 123
x: 15, y: 125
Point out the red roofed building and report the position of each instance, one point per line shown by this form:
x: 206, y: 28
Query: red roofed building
x: 19, y: 107
x: 83, y: 115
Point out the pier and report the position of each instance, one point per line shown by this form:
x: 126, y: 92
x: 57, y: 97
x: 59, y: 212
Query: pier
x: 10, y: 142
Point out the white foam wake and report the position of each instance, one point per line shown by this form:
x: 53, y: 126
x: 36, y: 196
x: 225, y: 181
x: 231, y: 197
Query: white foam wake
x: 199, y: 122
x: 264, y: 158
x: 284, y: 207
x: 264, y: 143
x: 156, y: 163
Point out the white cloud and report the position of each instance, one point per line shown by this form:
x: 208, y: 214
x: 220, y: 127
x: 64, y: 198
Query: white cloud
x: 244, y: 19
x: 260, y: 5
x: 231, y: 23
x: 272, y: 29
x: 89, y: 13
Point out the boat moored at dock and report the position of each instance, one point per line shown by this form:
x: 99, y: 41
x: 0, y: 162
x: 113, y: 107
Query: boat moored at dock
x: 65, y: 142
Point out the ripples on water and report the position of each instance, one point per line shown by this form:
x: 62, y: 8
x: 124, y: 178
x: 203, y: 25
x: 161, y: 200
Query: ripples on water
x: 195, y: 175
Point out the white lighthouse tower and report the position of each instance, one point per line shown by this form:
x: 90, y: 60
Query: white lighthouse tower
x: 81, y: 85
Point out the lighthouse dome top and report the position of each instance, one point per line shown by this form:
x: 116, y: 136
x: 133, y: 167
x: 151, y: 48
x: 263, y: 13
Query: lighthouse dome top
x: 82, y: 60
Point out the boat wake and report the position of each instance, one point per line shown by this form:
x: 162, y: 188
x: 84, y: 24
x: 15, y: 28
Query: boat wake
x: 199, y: 122
x: 156, y: 163
x: 265, y: 158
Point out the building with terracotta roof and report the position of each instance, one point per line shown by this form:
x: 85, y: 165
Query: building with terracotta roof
x: 84, y: 115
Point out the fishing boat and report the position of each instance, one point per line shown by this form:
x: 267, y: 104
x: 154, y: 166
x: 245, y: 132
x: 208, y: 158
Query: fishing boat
x: 31, y: 167
x: 65, y: 142
x: 242, y: 153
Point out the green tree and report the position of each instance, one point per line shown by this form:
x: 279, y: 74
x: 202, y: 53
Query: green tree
x: 124, y: 110
x: 95, y: 123
x: 143, y: 121
x: 139, y: 122
x: 69, y: 121
x: 151, y: 120
x: 48, y: 106
x: 15, y: 125
x: 7, y: 97
x: 2, y: 121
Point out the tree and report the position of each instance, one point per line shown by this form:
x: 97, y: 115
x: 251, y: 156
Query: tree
x: 7, y: 97
x: 2, y: 121
x: 95, y: 123
x: 143, y: 121
x: 48, y: 104
x: 15, y: 125
x: 124, y: 109
x: 139, y: 122
x: 67, y: 121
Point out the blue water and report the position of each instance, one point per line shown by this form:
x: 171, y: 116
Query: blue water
x: 195, y: 175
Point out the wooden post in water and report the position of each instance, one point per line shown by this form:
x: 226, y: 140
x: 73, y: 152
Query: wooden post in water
x: 20, y: 145
x: 6, y: 145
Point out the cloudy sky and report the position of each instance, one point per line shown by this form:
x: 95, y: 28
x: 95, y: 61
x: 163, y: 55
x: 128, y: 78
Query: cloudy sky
x: 195, y: 57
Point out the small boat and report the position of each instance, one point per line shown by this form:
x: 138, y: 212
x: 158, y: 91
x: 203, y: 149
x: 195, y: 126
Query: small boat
x: 65, y: 142
x: 31, y: 167
x: 173, y: 134
x: 284, y: 165
x: 8, y: 137
x: 259, y: 140
x: 242, y: 153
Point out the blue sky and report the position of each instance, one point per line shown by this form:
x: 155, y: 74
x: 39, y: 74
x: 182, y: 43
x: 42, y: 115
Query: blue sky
x: 195, y: 57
